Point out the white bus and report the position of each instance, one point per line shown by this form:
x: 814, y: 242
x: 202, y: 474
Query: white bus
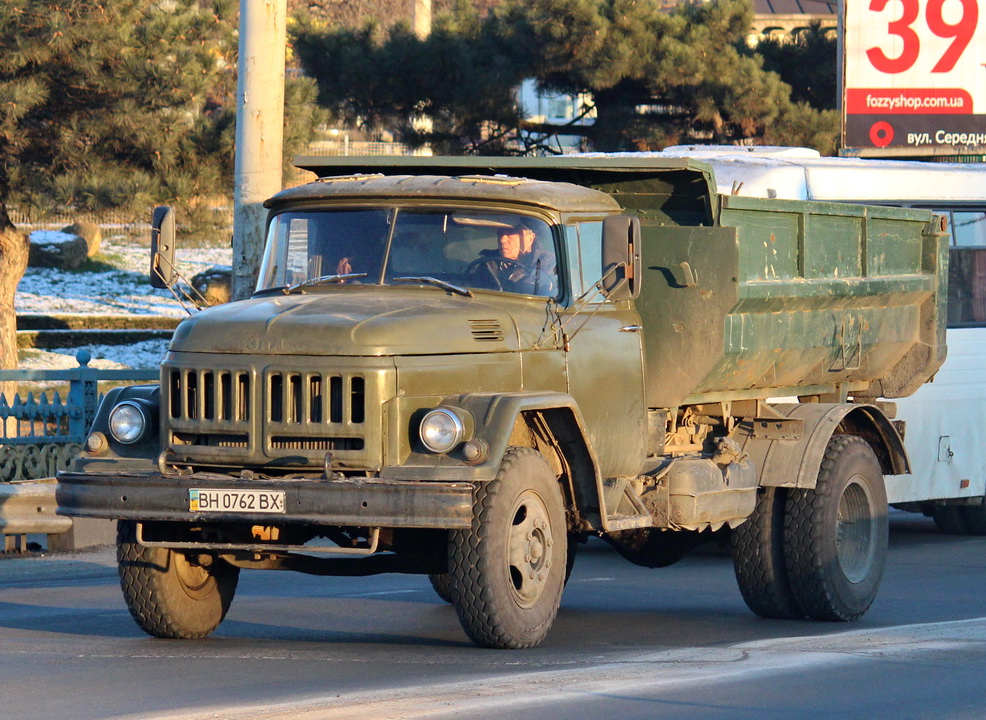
x: 945, y: 421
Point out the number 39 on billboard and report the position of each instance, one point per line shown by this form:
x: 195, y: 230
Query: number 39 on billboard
x: 915, y: 77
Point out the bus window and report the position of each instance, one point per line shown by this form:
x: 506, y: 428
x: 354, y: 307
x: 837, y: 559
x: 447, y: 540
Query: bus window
x: 967, y: 269
x: 968, y: 228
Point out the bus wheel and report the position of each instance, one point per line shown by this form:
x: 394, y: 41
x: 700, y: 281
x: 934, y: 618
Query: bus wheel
x: 975, y: 517
x: 169, y: 596
x: 508, y: 570
x: 835, y: 535
x: 950, y: 519
x: 758, y: 559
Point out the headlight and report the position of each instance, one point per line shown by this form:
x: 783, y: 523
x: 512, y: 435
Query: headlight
x: 129, y: 422
x: 441, y: 430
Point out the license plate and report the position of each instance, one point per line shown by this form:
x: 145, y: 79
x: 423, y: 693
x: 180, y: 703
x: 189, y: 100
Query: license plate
x: 243, y: 501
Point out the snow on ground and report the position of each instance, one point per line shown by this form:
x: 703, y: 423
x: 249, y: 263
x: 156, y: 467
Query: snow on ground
x: 141, y: 355
x: 51, y: 237
x: 119, y: 287
x: 122, y: 288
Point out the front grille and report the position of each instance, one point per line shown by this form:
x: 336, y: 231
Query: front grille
x: 273, y: 416
x: 218, y: 395
x: 279, y: 442
x: 307, y: 397
x: 210, y: 440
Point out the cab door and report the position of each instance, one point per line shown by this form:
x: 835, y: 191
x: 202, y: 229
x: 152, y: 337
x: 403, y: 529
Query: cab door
x: 604, y: 361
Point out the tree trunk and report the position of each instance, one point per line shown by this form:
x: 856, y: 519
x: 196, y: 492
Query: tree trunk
x: 13, y: 261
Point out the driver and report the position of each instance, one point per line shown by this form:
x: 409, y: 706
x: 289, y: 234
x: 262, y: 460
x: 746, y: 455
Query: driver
x: 521, y: 263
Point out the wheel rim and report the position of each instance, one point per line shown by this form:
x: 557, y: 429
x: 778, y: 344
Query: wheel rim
x: 529, y: 556
x: 194, y: 580
x: 855, y: 537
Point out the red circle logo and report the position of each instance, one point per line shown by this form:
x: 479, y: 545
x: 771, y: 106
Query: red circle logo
x: 881, y: 134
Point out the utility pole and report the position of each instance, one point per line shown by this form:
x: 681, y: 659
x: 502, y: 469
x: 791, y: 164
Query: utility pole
x: 421, y: 13
x: 259, y: 132
x: 421, y: 22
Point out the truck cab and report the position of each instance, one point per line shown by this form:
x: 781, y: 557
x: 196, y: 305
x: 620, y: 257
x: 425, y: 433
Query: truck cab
x: 380, y: 299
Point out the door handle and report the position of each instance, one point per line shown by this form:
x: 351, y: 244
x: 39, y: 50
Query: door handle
x: 631, y: 328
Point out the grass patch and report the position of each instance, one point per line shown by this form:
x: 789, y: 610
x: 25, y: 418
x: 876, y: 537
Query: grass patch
x: 100, y: 263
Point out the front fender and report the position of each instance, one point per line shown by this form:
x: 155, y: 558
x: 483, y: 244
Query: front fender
x: 493, y: 420
x: 496, y: 414
x: 144, y: 452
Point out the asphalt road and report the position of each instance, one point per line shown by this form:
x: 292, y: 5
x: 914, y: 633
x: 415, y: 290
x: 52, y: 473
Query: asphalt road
x: 628, y: 643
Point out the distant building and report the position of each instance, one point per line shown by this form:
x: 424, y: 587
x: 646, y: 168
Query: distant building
x: 779, y: 19
x: 782, y: 19
x: 556, y: 109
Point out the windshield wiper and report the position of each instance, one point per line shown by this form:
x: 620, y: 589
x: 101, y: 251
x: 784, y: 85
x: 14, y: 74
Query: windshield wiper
x: 324, y: 279
x: 283, y: 289
x: 437, y: 283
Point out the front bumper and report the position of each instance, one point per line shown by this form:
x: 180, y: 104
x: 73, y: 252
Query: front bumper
x: 350, y: 502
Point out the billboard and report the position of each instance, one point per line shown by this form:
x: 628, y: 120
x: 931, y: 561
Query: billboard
x: 914, y: 77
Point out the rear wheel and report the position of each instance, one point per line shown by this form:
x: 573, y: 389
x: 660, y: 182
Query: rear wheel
x: 169, y: 595
x: 507, y: 571
x: 835, y: 535
x: 758, y: 559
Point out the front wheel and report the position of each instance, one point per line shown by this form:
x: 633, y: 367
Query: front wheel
x: 835, y: 535
x: 169, y: 595
x: 507, y: 571
x: 441, y: 584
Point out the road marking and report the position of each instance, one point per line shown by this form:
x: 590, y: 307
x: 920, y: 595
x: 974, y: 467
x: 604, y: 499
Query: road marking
x: 639, y: 673
x: 595, y: 579
x: 378, y: 592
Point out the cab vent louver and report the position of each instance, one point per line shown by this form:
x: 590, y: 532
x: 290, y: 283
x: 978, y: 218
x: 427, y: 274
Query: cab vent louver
x: 486, y: 330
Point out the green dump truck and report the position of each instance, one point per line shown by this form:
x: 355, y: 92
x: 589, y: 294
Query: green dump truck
x: 463, y: 367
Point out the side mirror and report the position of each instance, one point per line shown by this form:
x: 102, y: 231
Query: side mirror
x: 163, y: 271
x: 621, y: 257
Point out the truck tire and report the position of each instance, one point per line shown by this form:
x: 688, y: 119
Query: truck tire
x: 440, y: 582
x: 507, y: 571
x: 835, y: 535
x: 758, y: 559
x: 168, y: 596
x: 950, y: 519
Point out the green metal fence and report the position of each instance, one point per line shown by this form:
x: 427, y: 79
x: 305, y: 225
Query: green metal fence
x: 40, y: 434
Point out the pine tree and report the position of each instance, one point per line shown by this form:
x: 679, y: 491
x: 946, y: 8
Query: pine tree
x: 807, y: 62
x: 102, y: 105
x: 461, y: 77
x: 124, y: 105
x: 655, y: 76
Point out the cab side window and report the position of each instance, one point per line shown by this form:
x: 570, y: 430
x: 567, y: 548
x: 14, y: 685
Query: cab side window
x: 585, y: 248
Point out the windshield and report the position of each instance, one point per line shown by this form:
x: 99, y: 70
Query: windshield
x: 476, y: 250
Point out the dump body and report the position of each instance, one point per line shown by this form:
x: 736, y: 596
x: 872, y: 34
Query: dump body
x: 792, y: 298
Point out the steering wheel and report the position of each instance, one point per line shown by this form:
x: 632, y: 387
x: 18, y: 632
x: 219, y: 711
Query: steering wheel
x: 497, y: 266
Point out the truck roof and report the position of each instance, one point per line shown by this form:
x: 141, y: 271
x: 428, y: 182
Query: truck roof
x: 586, y: 169
x: 560, y: 196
